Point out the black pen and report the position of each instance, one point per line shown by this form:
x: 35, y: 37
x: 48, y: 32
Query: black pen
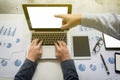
x: 104, y: 64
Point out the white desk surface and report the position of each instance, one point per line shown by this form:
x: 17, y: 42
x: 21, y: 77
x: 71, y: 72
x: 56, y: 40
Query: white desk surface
x: 92, y: 69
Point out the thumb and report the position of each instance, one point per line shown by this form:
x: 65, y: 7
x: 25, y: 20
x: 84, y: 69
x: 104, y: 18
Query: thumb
x: 65, y: 26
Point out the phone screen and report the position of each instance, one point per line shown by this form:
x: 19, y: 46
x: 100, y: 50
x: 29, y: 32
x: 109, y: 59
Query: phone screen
x: 117, y: 62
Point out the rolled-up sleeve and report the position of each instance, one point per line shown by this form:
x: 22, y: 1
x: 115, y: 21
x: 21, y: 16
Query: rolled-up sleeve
x: 69, y: 70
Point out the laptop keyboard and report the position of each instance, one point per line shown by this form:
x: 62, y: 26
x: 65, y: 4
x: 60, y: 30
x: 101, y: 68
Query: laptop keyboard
x: 50, y: 38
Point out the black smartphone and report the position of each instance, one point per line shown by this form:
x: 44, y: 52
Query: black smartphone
x: 117, y: 62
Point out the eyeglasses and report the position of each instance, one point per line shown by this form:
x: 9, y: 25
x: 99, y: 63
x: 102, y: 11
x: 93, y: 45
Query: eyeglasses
x: 98, y: 45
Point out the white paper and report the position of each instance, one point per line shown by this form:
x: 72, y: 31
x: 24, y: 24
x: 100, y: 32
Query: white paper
x: 14, y: 39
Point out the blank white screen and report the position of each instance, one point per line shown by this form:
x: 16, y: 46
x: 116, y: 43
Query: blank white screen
x: 118, y: 62
x: 43, y: 17
x: 111, y: 42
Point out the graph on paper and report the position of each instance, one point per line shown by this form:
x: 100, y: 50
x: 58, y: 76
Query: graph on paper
x: 13, y: 44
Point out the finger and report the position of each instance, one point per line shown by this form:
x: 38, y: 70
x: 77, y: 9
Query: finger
x: 59, y: 43
x: 56, y: 48
x: 65, y: 26
x: 60, y: 15
x: 36, y: 41
x: 56, y: 45
x: 63, y: 43
x: 33, y: 42
x: 40, y: 43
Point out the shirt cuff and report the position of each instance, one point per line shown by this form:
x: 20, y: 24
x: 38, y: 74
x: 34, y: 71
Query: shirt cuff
x: 30, y: 62
x: 66, y: 62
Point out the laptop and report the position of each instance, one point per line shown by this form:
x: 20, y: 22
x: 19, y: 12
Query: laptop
x: 45, y: 26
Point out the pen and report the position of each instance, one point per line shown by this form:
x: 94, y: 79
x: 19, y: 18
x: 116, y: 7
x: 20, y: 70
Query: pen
x: 104, y: 64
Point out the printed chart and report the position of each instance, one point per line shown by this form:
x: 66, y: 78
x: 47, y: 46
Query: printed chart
x: 13, y: 43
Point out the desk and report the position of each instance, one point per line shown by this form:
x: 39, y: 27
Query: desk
x: 94, y: 69
x: 50, y: 70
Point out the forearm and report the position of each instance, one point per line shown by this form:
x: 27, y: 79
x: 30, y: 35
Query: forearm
x: 69, y: 70
x: 26, y: 71
x: 106, y: 23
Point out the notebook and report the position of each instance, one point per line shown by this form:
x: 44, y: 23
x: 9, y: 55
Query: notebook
x: 43, y: 25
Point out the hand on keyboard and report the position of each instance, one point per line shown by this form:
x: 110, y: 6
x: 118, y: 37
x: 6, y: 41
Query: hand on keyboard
x: 35, y: 50
x: 62, y: 52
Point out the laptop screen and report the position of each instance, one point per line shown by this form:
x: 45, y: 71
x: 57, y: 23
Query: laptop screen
x: 42, y: 16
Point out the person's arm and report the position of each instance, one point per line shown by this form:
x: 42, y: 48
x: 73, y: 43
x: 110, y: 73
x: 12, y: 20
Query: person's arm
x: 26, y: 71
x: 108, y: 23
x: 28, y: 68
x: 69, y: 70
x: 67, y: 65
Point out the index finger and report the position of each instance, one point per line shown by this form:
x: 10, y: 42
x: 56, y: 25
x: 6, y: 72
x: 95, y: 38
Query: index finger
x: 60, y: 15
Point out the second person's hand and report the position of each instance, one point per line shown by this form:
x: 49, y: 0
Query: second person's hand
x: 69, y: 20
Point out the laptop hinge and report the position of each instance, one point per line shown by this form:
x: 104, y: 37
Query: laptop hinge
x: 50, y: 31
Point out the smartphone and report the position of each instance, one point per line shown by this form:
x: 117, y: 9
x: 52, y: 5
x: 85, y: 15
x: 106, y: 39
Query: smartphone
x: 117, y: 62
x: 81, y: 47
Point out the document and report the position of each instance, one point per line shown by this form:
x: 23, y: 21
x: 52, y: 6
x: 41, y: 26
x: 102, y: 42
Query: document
x: 14, y: 41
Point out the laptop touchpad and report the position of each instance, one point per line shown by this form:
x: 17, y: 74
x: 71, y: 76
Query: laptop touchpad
x: 48, y: 52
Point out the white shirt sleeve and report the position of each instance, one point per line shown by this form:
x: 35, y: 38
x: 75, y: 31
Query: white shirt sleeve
x: 108, y: 23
